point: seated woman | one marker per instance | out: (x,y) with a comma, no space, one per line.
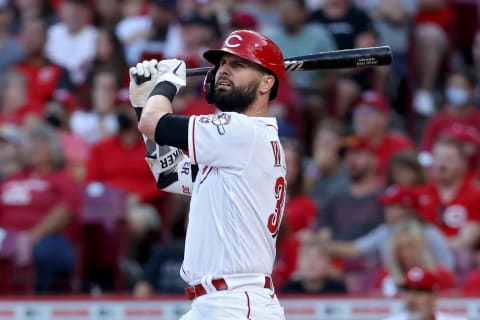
(409,249)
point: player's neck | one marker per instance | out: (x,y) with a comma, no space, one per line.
(257,109)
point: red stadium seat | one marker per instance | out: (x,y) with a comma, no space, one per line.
(103,240)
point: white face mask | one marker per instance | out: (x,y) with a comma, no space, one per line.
(457,96)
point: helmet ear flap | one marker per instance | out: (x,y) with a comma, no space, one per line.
(209,85)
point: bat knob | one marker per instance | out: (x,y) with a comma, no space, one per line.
(141,79)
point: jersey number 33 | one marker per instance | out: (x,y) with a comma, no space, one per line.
(275,218)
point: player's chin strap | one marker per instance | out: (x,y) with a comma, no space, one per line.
(171,169)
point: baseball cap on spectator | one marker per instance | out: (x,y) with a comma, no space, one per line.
(373,100)
(462,133)
(398,195)
(243,20)
(418,278)
(10,133)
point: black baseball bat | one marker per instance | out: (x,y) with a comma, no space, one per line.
(336,59)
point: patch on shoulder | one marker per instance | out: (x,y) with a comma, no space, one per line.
(220,120)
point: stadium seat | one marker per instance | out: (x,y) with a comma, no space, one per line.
(103,240)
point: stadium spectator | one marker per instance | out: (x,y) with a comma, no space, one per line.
(314,266)
(299,213)
(14,107)
(450,199)
(164,38)
(143,226)
(10,50)
(45,80)
(419,293)
(351,27)
(392,20)
(109,55)
(399,204)
(75,149)
(354,212)
(326,174)
(198,34)
(41,203)
(405,169)
(265,12)
(132,30)
(27,10)
(71,42)
(160,274)
(459,111)
(371,122)
(124,152)
(296,37)
(107,13)
(431,44)
(409,249)
(100,122)
(11,160)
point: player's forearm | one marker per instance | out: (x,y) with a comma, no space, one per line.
(155,108)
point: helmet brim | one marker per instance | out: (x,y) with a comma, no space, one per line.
(213,56)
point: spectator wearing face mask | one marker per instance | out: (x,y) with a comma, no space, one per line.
(459,110)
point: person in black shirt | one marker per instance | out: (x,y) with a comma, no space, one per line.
(313,270)
(351,27)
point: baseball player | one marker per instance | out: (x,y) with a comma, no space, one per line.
(235,173)
(419,292)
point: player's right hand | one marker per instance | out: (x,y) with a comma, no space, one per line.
(143,78)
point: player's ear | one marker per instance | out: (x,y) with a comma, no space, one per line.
(266,83)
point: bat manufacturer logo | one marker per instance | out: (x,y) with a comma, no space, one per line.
(231,43)
(293,65)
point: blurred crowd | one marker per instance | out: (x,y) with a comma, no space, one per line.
(382,163)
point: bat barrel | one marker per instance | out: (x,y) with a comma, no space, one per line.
(338,59)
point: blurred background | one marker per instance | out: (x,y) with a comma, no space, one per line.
(382,163)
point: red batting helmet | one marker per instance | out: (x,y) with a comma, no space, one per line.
(254,47)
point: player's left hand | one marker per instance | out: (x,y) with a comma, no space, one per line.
(143,78)
(173,71)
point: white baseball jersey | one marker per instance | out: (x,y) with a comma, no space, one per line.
(238,195)
(438,316)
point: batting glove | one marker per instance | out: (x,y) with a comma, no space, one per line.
(173,71)
(143,78)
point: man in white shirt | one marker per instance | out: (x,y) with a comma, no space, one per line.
(71,43)
(420,297)
(235,173)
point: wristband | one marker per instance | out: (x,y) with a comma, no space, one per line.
(166,89)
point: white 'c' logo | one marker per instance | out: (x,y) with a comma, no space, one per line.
(228,41)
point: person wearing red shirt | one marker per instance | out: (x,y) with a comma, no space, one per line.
(45,80)
(450,199)
(123,153)
(459,110)
(40,204)
(370,119)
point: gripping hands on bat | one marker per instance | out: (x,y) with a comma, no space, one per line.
(162,160)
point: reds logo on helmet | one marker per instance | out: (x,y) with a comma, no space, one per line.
(251,46)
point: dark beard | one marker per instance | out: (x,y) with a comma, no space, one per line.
(237,100)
